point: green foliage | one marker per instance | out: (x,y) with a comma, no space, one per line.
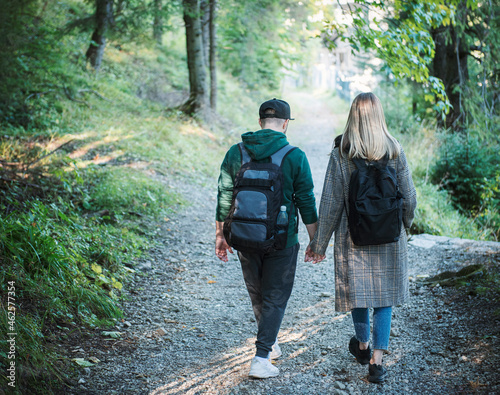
(257,39)
(479,89)
(400,35)
(470,171)
(33,75)
(436,215)
(66,269)
(125,191)
(467,168)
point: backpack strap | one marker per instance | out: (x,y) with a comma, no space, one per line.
(360,163)
(278,156)
(245,157)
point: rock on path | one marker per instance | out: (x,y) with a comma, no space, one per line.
(189,326)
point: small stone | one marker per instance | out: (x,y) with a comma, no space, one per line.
(160,331)
(81,381)
(326,294)
(463,358)
(394,332)
(339,385)
(127,324)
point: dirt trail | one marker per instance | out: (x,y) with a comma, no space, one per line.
(189,327)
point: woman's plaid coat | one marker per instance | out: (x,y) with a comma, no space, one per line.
(365,276)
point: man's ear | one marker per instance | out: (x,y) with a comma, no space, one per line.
(260,123)
(285,124)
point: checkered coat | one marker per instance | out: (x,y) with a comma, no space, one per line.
(365,276)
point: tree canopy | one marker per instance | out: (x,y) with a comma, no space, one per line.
(434,43)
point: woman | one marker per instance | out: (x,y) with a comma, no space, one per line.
(372,276)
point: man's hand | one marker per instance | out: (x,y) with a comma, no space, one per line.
(221,248)
(312,256)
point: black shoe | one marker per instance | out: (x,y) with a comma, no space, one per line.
(377,373)
(362,356)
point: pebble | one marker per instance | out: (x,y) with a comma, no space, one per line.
(339,385)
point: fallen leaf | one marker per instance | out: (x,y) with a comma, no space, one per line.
(114,335)
(94,360)
(82,362)
(212,281)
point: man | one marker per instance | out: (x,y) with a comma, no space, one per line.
(269,276)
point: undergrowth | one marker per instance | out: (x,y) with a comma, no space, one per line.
(83,189)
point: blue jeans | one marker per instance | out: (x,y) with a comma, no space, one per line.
(381,326)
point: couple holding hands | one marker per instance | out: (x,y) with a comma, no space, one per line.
(367,276)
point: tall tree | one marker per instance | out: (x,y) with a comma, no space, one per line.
(197,103)
(103,18)
(157,21)
(419,40)
(450,66)
(205,28)
(212,55)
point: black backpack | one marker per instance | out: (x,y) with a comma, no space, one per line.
(375,203)
(257,197)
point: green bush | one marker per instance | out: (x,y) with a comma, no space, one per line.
(468,169)
(436,215)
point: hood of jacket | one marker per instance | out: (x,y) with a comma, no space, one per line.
(263,143)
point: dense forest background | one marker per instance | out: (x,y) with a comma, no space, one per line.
(99,97)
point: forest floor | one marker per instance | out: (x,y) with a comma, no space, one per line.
(189,327)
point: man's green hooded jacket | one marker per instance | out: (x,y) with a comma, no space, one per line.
(297,179)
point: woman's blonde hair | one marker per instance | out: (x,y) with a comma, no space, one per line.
(365,135)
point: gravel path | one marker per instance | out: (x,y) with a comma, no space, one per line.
(189,326)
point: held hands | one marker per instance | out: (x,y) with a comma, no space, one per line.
(221,248)
(312,256)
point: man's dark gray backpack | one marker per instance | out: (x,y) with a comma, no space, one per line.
(251,225)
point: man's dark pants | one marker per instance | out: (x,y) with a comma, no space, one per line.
(269,280)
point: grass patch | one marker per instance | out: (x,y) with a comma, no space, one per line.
(128,191)
(67,271)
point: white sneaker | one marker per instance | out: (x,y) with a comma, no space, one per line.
(276,351)
(262,368)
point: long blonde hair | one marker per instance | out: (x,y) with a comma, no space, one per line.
(365,135)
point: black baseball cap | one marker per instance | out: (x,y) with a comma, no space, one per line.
(281,108)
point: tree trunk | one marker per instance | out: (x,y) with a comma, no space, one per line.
(103,17)
(213,64)
(205,28)
(158,21)
(198,98)
(450,65)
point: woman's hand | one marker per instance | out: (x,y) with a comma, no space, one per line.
(312,256)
